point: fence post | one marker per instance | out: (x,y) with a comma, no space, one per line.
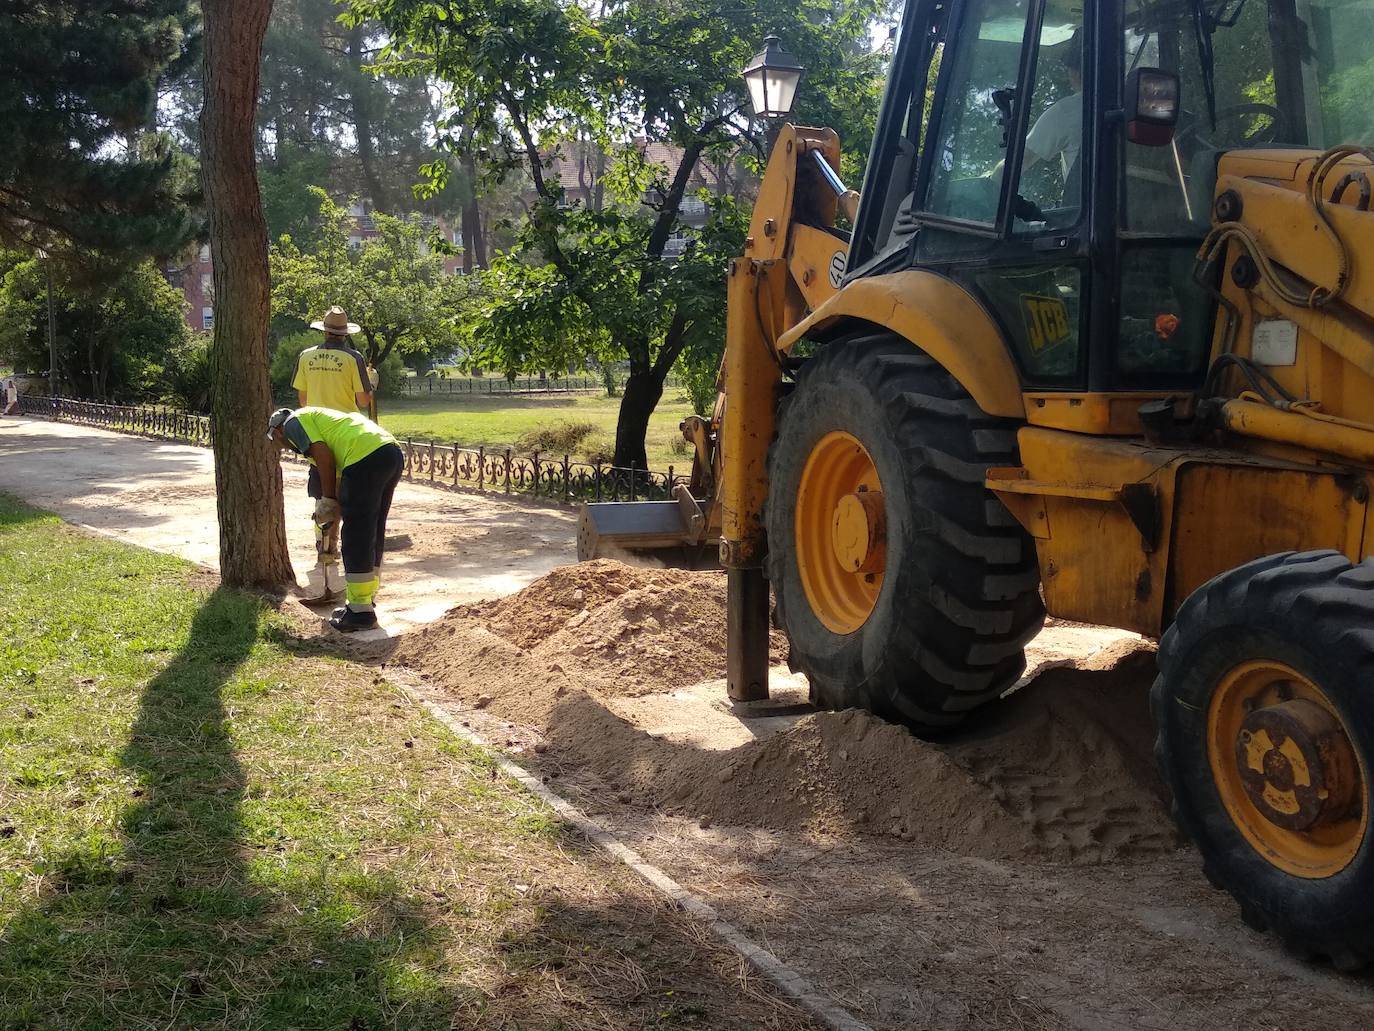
(481,468)
(600,481)
(507,470)
(632,479)
(567,479)
(669,483)
(535,485)
(431,461)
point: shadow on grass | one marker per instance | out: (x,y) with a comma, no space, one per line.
(206,914)
(14,512)
(174,928)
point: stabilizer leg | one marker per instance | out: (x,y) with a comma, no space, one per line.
(746,631)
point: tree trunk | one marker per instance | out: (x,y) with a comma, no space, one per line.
(474,240)
(372,349)
(360,98)
(638,400)
(248,482)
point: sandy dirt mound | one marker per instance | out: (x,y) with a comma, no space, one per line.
(552,601)
(1070,757)
(623,629)
(1058,770)
(837,771)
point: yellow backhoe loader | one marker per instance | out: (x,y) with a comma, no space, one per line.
(1100,342)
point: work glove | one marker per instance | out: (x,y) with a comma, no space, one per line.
(326,511)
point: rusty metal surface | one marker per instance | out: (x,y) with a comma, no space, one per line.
(1297,764)
(746,631)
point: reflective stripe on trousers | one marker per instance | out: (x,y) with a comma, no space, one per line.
(360,590)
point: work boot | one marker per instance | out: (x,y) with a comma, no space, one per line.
(351,622)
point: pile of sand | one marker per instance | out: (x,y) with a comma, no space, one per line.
(1071,758)
(624,630)
(555,599)
(1061,769)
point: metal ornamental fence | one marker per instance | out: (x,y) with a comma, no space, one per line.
(492,470)
(145,420)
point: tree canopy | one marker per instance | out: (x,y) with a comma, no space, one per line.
(392,284)
(116,339)
(523,76)
(80,168)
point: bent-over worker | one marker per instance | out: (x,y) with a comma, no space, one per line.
(359,465)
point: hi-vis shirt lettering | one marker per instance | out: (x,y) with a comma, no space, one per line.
(331,377)
(325,361)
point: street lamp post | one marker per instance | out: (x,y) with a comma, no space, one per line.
(52,327)
(772,78)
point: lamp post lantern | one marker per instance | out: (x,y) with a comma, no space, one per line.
(772,78)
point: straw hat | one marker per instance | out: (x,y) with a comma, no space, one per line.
(336,321)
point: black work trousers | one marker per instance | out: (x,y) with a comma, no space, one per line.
(365,492)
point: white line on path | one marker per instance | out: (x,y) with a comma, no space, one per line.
(788,981)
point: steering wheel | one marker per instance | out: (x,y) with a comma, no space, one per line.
(1265,134)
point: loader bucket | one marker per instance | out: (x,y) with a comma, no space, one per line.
(670,533)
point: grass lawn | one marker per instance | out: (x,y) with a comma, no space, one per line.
(207,822)
(500,421)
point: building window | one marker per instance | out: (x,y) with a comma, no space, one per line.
(205,254)
(207,284)
(676,245)
(207,317)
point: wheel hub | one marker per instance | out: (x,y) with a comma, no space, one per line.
(1296,764)
(1285,768)
(859,535)
(841,532)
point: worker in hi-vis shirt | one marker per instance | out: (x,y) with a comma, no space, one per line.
(332,375)
(360,464)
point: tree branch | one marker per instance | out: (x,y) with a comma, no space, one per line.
(674,340)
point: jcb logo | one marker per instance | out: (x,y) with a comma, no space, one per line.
(1047,321)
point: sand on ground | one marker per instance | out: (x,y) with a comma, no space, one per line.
(1022,872)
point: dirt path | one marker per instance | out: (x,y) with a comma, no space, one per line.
(1023,873)
(443,547)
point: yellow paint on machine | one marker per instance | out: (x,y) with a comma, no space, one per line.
(940,318)
(1126,530)
(752,377)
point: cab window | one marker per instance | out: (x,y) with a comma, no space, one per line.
(979,98)
(1050,186)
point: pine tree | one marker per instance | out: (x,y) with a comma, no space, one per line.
(252,534)
(81,168)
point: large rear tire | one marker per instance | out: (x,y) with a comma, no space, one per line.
(1265,735)
(904,586)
